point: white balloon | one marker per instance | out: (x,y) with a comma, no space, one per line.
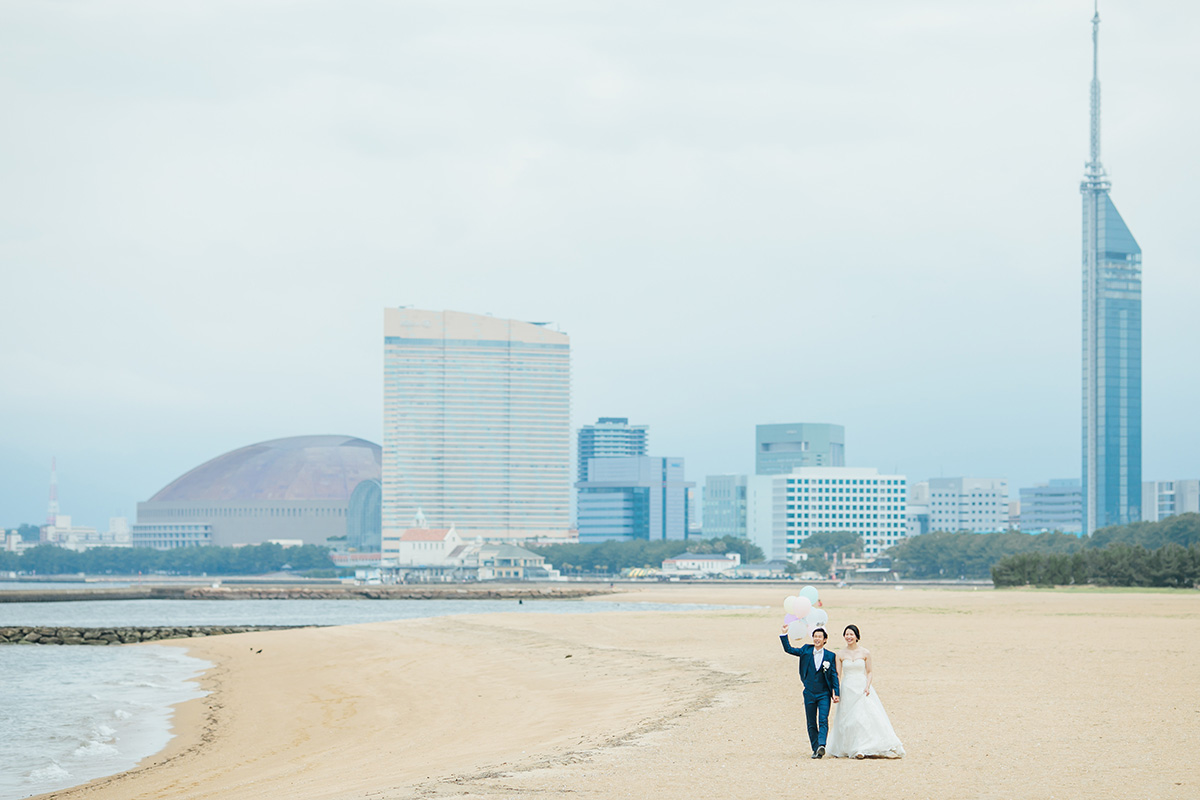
(789,605)
(816,617)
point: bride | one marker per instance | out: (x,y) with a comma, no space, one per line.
(861,728)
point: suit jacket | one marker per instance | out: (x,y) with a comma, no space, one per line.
(817,682)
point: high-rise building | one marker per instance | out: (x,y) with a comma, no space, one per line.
(784,510)
(1112,343)
(610,437)
(1053,506)
(725,506)
(979,505)
(1162,499)
(778,449)
(634,497)
(476,425)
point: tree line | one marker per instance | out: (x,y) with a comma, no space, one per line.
(609,558)
(1138,554)
(1171,565)
(48,559)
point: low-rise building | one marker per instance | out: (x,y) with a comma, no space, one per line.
(979,505)
(1053,506)
(702,564)
(1162,499)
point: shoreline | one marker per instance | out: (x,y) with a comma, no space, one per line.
(993,694)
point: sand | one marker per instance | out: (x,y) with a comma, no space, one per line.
(1013,694)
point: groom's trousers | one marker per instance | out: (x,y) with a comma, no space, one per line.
(817,711)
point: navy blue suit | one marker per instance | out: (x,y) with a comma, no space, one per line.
(820,686)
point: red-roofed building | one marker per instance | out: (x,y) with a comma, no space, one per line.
(423,546)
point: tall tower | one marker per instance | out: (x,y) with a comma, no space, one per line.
(1112,343)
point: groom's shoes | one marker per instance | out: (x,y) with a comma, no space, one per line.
(814,755)
(820,752)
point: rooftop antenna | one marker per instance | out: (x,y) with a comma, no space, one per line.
(52,511)
(1094,168)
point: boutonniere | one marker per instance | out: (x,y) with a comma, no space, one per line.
(824,665)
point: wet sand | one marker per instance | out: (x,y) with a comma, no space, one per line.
(1014,694)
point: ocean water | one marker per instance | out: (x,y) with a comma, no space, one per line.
(162,613)
(71,714)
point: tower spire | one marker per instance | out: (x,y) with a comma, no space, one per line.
(1094,164)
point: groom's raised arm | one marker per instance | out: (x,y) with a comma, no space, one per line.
(787,646)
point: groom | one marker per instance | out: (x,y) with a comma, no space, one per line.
(818,671)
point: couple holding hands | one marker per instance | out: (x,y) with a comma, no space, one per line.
(861,728)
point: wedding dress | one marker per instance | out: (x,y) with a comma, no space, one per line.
(861,727)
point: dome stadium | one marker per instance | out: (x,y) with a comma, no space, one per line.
(297,489)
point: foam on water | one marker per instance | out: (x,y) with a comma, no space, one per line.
(71,714)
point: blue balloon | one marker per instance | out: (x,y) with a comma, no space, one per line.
(811,593)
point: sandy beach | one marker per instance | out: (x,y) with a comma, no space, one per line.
(1016,694)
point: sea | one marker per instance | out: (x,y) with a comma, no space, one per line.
(70,714)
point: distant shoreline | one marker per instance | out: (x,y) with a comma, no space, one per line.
(511,591)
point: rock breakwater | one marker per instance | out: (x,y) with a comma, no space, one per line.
(40,634)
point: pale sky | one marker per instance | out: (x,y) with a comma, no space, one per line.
(862,212)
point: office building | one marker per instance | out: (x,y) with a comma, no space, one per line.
(635,497)
(916,509)
(784,510)
(1162,499)
(778,449)
(725,506)
(1112,344)
(295,488)
(979,505)
(476,426)
(1053,506)
(610,437)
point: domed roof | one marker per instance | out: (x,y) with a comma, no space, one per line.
(296,468)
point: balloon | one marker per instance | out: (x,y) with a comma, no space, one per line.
(811,593)
(789,604)
(816,618)
(801,607)
(790,618)
(798,629)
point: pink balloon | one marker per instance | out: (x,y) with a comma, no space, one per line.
(801,607)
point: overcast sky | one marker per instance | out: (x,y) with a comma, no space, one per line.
(861,212)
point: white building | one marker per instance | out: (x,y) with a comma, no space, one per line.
(979,505)
(82,537)
(699,564)
(1162,499)
(784,510)
(422,547)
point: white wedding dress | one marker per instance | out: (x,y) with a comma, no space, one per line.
(861,726)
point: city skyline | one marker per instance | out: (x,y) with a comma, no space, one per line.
(857,214)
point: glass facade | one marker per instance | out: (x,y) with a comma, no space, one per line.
(778,449)
(476,424)
(1112,345)
(635,497)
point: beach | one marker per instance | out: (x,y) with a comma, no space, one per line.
(995,694)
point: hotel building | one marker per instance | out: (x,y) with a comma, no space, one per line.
(476,428)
